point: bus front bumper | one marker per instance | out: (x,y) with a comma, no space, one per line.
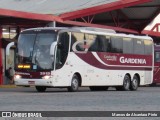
(33,82)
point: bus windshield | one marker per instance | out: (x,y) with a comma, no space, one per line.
(34,49)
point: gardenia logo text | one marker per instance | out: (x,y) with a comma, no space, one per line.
(132,60)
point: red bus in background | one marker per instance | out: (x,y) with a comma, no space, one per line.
(156,77)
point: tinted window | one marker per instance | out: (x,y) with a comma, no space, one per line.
(91,42)
(148,47)
(77,37)
(99,43)
(127,45)
(101,40)
(138,46)
(116,44)
(108,44)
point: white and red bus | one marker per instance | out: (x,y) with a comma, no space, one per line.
(156,78)
(74,57)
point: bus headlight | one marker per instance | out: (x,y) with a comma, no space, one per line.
(17,76)
(46,77)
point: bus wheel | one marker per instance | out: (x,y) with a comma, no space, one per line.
(134,83)
(126,83)
(98,88)
(41,88)
(74,84)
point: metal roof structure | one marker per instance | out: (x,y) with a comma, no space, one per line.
(51,7)
(121,15)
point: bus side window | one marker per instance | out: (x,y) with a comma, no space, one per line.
(138,46)
(102,43)
(127,46)
(94,43)
(148,47)
(108,44)
(75,36)
(99,43)
(91,42)
(116,44)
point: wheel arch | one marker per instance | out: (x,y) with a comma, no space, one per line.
(128,75)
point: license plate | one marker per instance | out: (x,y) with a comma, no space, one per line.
(31,82)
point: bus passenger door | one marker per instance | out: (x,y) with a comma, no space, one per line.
(156,78)
(62,70)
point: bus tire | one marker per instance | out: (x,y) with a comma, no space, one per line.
(134,83)
(98,88)
(126,84)
(74,84)
(41,88)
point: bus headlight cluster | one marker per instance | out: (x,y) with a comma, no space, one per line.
(17,76)
(46,77)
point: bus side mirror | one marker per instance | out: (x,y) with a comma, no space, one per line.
(8,48)
(52,48)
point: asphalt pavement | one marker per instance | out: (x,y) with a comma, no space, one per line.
(55,99)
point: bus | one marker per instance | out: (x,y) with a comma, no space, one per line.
(156,78)
(82,56)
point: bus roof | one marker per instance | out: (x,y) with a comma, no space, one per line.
(90,30)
